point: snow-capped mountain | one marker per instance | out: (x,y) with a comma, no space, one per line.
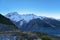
(20,19)
(35,23)
(14,16)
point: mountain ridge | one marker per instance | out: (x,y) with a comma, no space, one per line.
(26,17)
(35,23)
(6,23)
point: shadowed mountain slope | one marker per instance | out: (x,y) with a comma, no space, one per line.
(6,24)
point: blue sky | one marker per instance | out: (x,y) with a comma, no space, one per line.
(49,8)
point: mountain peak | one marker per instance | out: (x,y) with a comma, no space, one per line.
(14,16)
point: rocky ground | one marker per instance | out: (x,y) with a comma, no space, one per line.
(26,35)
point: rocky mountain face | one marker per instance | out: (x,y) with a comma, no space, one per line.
(39,25)
(35,23)
(21,19)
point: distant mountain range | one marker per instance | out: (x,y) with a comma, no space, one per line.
(35,23)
